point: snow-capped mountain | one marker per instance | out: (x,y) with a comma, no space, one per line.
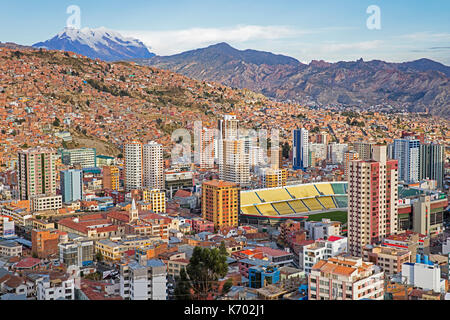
(99,43)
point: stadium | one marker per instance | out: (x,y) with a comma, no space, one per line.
(297,202)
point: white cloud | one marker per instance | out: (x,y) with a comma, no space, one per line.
(426,36)
(176,41)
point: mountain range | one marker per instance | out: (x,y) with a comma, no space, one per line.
(414,86)
(99,43)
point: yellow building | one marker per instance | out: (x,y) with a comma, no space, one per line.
(274,178)
(220,203)
(111,178)
(157,198)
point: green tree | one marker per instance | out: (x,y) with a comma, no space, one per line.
(56,122)
(227,286)
(182,288)
(223,249)
(203,272)
(286,150)
(99,256)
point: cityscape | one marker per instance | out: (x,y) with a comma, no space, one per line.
(207,176)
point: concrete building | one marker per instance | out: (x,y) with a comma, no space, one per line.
(133,166)
(56,289)
(372,193)
(321,229)
(10,249)
(71,185)
(46,202)
(156,198)
(45,242)
(321,250)
(229,127)
(300,149)
(262,276)
(345,278)
(389,259)
(7,229)
(84,157)
(77,253)
(406,151)
(111,178)
(37,173)
(349,156)
(273,178)
(143,281)
(234,162)
(411,241)
(424,275)
(432,160)
(363,149)
(319,149)
(220,203)
(335,152)
(204,147)
(177,180)
(153,166)
(428,216)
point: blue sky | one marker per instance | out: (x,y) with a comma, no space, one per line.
(331,30)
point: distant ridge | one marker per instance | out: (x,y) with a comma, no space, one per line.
(414,86)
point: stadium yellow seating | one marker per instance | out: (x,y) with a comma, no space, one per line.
(327,202)
(250,210)
(298,206)
(313,204)
(274,195)
(283,208)
(325,188)
(249,197)
(303,191)
(267,210)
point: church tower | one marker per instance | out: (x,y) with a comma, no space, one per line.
(134,213)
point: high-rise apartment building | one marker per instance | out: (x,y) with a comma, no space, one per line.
(220,203)
(204,147)
(335,152)
(349,156)
(301,149)
(133,166)
(153,166)
(364,149)
(234,165)
(372,200)
(37,173)
(229,127)
(431,166)
(406,151)
(71,185)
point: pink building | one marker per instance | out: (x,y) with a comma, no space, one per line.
(201,225)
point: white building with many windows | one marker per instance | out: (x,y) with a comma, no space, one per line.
(321,250)
(146,280)
(345,278)
(56,289)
